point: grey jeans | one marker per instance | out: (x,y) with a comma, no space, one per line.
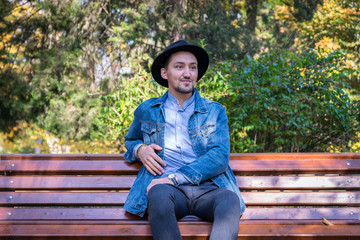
(167,203)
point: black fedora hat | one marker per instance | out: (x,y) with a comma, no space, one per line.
(181,45)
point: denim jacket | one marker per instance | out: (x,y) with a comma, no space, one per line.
(209,133)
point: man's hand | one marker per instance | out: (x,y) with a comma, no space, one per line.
(151,160)
(158,181)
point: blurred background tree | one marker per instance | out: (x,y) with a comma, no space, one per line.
(76,70)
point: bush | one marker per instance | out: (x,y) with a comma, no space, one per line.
(282,102)
(118,111)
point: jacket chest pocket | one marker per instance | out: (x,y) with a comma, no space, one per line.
(207,129)
(202,135)
(150,133)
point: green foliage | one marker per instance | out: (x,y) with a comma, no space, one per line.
(282,102)
(52,54)
(78,69)
(74,117)
(303,10)
(13,100)
(117,114)
(335,26)
(29,138)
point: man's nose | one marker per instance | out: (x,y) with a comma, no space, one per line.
(187,72)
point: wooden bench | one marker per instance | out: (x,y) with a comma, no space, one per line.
(288,196)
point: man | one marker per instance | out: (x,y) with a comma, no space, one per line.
(183,143)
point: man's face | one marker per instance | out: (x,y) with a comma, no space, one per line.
(181,73)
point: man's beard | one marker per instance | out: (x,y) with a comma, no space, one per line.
(185,89)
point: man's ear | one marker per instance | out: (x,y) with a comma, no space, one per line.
(163,73)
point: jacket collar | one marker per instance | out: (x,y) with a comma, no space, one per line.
(199,102)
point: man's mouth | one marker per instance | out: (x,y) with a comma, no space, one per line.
(186,80)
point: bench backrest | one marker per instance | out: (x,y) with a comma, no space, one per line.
(308,186)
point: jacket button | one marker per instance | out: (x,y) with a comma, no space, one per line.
(159,129)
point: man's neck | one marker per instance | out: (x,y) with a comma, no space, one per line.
(182,97)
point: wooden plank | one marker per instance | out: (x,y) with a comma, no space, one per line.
(125,182)
(310,213)
(122,167)
(62,198)
(192,219)
(293,156)
(118,198)
(22,157)
(321,166)
(52,167)
(67,182)
(189,237)
(233,156)
(298,182)
(102,214)
(186,228)
(301,198)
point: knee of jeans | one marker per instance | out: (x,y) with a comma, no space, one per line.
(160,193)
(159,199)
(229,202)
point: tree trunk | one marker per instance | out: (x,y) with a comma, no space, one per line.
(251,13)
(176,7)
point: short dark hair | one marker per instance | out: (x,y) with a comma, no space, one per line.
(166,62)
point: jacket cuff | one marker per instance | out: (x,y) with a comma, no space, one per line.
(130,155)
(135,150)
(191,175)
(182,180)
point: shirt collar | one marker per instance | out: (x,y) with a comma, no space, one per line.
(173,100)
(199,101)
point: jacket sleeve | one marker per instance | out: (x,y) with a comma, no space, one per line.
(134,137)
(215,159)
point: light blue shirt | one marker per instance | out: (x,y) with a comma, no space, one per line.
(178,148)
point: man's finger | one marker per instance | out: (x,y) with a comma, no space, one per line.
(159,160)
(153,165)
(155,147)
(157,167)
(150,168)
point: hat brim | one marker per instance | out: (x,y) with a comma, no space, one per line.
(159,62)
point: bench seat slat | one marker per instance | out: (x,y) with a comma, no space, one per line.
(125,182)
(298,166)
(233,156)
(51,167)
(63,198)
(294,156)
(67,182)
(23,157)
(118,198)
(191,219)
(298,182)
(304,198)
(121,166)
(252,213)
(195,230)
